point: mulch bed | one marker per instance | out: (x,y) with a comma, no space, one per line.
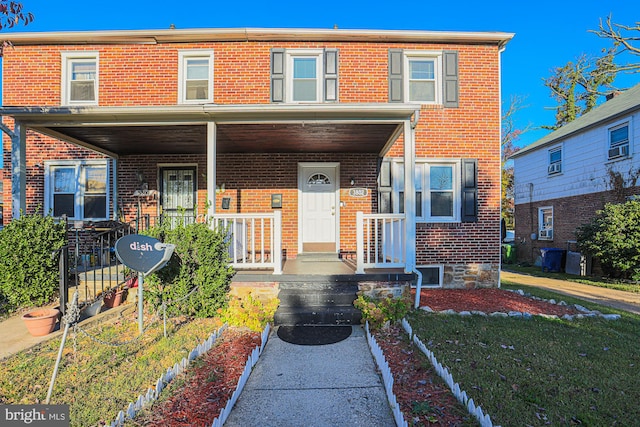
(488,300)
(208,385)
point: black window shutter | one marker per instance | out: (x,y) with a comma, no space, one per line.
(331,75)
(450,84)
(395,75)
(469,190)
(277,74)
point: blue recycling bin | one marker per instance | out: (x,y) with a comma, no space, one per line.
(552,259)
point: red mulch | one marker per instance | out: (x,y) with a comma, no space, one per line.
(487,300)
(209,384)
(423,398)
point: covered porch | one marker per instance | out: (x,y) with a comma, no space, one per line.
(332,147)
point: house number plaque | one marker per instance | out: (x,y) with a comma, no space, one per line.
(358,192)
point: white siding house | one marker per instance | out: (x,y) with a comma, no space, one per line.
(562,179)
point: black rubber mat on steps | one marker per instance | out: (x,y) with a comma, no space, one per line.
(313,335)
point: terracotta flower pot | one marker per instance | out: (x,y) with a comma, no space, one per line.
(114,299)
(42,321)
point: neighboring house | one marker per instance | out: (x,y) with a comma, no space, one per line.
(564,178)
(305,140)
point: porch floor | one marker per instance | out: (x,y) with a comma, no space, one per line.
(294,268)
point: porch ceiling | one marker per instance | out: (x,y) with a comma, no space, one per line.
(230,138)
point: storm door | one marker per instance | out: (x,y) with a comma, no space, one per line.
(178,194)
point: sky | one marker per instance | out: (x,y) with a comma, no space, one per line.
(548,33)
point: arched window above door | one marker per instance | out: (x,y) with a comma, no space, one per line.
(318,179)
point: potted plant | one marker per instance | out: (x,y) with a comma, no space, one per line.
(41,321)
(114,297)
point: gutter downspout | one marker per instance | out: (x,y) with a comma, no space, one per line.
(416,305)
(414,123)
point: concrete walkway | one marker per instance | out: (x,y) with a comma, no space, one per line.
(628,301)
(329,385)
(14,336)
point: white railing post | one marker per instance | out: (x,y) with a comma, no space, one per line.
(359,243)
(277,243)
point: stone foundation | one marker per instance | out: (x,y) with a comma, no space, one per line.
(381,290)
(471,276)
(262,291)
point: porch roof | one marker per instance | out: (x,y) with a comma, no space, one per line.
(182,129)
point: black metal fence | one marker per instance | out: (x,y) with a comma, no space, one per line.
(88,263)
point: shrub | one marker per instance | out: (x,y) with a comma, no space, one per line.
(29,272)
(383,311)
(199,264)
(249,312)
(613,236)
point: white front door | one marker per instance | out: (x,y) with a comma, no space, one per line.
(318,210)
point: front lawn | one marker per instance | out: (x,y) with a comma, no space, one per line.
(542,371)
(97,380)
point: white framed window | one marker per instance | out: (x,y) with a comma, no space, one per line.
(79,78)
(77,189)
(555,161)
(304,75)
(545,223)
(437,187)
(195,76)
(423,76)
(432,275)
(618,138)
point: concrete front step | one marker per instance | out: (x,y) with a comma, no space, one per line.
(317,316)
(318,257)
(317,303)
(323,298)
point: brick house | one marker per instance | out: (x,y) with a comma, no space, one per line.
(304,140)
(562,179)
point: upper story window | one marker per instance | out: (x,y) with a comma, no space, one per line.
(545,223)
(425,77)
(79,78)
(304,71)
(423,73)
(304,75)
(555,161)
(195,75)
(619,141)
(77,189)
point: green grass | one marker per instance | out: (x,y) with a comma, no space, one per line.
(592,281)
(96,380)
(540,371)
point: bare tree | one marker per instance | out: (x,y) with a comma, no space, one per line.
(622,40)
(510,135)
(12,14)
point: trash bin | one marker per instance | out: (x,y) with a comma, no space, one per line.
(508,253)
(552,259)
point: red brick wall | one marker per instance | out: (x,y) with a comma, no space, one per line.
(568,214)
(139,75)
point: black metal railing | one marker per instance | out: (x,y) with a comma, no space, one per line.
(88,263)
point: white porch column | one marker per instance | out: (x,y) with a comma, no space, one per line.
(211,169)
(18,170)
(277,242)
(359,242)
(409,196)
